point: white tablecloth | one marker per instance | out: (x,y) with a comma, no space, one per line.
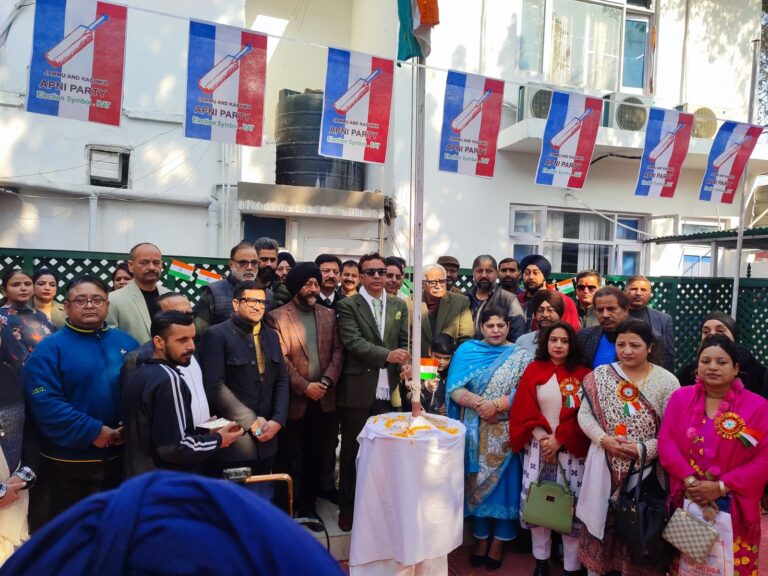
(409,495)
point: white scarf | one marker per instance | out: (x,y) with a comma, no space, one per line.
(592,507)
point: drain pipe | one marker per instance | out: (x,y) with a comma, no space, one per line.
(93,221)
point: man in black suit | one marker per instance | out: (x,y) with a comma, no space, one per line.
(330,269)
(246,381)
(639,292)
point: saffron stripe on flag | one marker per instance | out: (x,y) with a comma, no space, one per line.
(182,270)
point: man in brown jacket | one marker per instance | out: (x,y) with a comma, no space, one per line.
(313,357)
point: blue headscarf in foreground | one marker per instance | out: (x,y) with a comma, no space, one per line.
(172,524)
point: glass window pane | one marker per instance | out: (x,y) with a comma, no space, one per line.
(630,263)
(527,222)
(571,257)
(698,228)
(635,34)
(532,35)
(523,250)
(586,43)
(624,233)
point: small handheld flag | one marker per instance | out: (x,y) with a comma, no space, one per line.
(428,369)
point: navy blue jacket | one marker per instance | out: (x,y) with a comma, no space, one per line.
(72,387)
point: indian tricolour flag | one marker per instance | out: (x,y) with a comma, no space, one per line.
(205,277)
(428,369)
(181,270)
(565,286)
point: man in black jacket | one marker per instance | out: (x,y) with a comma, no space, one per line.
(156,403)
(246,381)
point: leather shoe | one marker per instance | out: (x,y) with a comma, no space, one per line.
(477,560)
(581,572)
(542,568)
(345,521)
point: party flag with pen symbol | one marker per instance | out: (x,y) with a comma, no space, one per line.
(78,58)
(666,145)
(569,140)
(730,152)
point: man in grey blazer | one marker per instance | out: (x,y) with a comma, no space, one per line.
(131,307)
(374,330)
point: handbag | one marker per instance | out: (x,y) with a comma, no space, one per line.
(550,504)
(691,535)
(641,516)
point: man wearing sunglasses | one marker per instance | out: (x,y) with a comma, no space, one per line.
(374,330)
(246,381)
(587,283)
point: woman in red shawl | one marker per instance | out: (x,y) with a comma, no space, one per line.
(543,422)
(714,445)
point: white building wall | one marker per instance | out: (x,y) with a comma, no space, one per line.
(170,176)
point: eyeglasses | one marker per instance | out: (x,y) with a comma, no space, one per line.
(81,301)
(394,276)
(245,263)
(433,283)
(253,302)
(371,272)
(585,287)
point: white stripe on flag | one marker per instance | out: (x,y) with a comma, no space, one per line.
(357,117)
(474,88)
(77,13)
(575,108)
(228,41)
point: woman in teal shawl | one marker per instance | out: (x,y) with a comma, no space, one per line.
(481,383)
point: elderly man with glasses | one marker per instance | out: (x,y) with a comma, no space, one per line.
(215,303)
(246,381)
(72,389)
(443,312)
(587,283)
(374,331)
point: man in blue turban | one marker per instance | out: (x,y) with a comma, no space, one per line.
(169,523)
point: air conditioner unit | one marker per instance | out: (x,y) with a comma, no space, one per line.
(534,102)
(706,119)
(626,111)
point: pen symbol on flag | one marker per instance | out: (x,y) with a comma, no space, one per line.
(223,69)
(469,113)
(664,144)
(74,42)
(355,93)
(731,151)
(569,130)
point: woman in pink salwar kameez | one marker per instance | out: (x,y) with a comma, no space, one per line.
(714,445)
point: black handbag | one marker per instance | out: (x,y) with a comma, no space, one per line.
(641,516)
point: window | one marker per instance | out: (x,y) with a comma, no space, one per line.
(574,240)
(635,45)
(697,266)
(258,226)
(108,166)
(594,44)
(698,228)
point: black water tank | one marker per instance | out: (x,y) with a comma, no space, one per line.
(297,135)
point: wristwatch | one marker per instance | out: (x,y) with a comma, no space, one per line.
(27,474)
(3,489)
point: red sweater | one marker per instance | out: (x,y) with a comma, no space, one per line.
(525,414)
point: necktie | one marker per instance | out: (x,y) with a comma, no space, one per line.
(377,311)
(328,302)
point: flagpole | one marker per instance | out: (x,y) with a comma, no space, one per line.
(417,233)
(744,182)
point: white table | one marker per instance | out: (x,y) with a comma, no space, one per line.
(409,497)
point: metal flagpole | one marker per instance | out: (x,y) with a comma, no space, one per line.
(744,180)
(417,233)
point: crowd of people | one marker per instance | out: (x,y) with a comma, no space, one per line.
(279,362)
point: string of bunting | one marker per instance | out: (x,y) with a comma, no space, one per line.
(78,62)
